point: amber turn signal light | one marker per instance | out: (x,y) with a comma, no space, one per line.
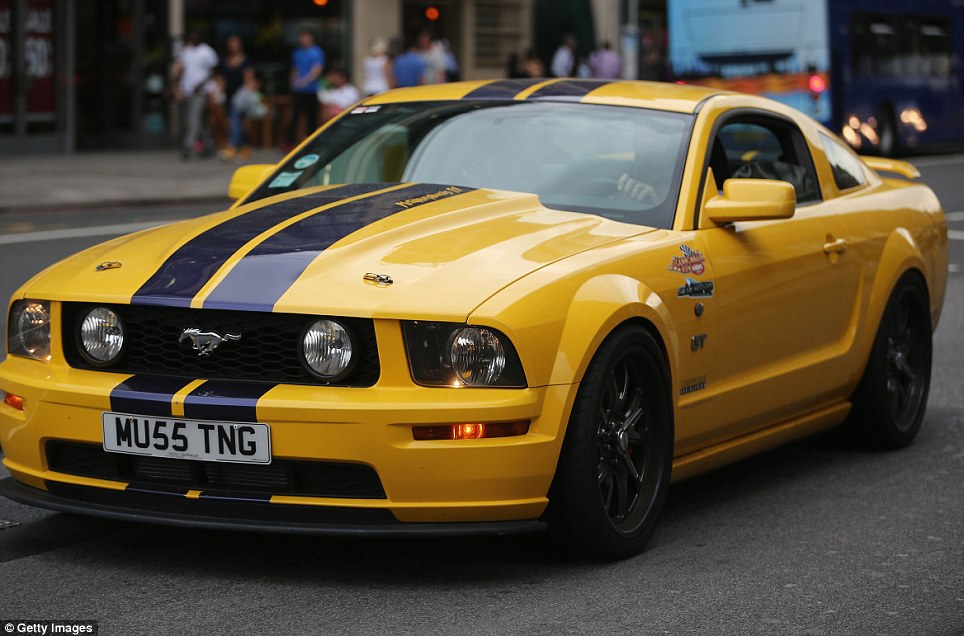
(473,430)
(13,401)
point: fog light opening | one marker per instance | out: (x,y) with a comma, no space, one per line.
(470,430)
(13,401)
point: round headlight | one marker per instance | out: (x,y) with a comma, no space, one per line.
(327,349)
(101,335)
(30,333)
(477,355)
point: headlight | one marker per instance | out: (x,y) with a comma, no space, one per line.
(452,354)
(101,336)
(327,349)
(29,329)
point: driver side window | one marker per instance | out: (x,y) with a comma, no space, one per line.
(760,148)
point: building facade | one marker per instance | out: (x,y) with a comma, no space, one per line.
(94,74)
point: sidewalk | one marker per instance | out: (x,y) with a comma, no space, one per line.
(87,179)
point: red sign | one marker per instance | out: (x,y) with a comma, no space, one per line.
(38,58)
(6,61)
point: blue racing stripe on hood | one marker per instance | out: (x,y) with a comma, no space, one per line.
(193,264)
(259,279)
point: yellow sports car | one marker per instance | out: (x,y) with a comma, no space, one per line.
(483,307)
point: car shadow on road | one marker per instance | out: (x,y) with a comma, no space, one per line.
(692,504)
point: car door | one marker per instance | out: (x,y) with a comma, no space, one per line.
(786,289)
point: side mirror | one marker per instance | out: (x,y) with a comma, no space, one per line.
(246,178)
(752,200)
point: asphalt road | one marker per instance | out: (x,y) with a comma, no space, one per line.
(806,539)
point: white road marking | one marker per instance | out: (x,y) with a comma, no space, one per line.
(78,232)
(954,269)
(955,235)
(953,217)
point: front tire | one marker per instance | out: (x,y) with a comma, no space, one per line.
(889,404)
(616,459)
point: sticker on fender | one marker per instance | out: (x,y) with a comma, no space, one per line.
(177,438)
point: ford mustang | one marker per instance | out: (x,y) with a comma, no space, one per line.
(483,307)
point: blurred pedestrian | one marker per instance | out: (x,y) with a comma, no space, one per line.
(433,56)
(564,59)
(339,95)
(235,66)
(604,62)
(377,67)
(247,107)
(192,69)
(532,65)
(453,73)
(236,69)
(307,65)
(408,69)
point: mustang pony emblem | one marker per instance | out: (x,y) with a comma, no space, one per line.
(204,342)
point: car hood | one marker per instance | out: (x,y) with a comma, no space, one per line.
(376,250)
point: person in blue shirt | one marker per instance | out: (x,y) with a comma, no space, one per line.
(307,65)
(408,69)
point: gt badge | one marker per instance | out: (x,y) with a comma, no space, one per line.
(204,342)
(697,342)
(109,265)
(691,262)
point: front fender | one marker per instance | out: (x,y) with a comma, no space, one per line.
(558,324)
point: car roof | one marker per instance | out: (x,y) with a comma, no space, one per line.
(681,98)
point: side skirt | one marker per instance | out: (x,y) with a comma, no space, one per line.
(707,459)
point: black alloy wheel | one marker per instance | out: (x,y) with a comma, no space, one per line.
(615,464)
(890,401)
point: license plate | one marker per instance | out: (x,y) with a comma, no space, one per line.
(187,439)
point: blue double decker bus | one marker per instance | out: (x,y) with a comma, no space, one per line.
(887,75)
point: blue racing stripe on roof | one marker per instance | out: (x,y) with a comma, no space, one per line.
(503,89)
(570,89)
(146,395)
(193,264)
(259,279)
(225,400)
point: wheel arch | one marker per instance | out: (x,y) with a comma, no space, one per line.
(901,256)
(602,306)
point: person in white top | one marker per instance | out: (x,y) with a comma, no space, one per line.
(193,67)
(377,67)
(339,95)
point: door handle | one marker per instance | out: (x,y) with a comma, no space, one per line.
(838,246)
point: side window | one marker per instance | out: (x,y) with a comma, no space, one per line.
(761,148)
(847,170)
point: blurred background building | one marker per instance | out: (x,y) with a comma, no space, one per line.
(94,74)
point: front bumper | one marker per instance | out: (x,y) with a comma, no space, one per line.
(440,483)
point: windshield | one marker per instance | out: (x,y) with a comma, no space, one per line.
(619,162)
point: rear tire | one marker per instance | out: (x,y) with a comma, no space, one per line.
(616,459)
(889,403)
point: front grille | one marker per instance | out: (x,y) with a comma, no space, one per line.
(269,348)
(281,477)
